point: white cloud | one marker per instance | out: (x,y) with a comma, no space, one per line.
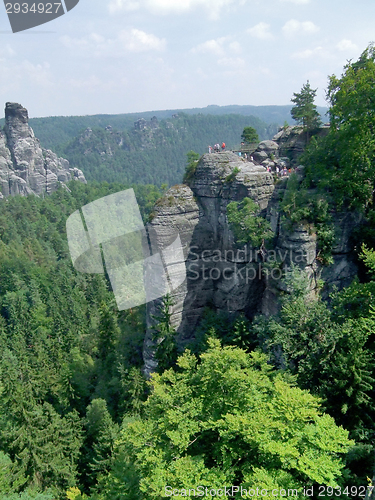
(14,75)
(7,51)
(127,5)
(306,54)
(261,31)
(172,6)
(138,41)
(211,46)
(92,83)
(293,27)
(231,62)
(346,46)
(38,74)
(235,47)
(297,2)
(131,40)
(219,47)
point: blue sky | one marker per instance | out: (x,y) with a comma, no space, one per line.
(119,56)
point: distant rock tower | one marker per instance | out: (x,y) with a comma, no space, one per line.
(25,167)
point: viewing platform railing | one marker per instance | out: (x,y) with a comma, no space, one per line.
(245,148)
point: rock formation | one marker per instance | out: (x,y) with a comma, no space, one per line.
(25,167)
(292,141)
(221,275)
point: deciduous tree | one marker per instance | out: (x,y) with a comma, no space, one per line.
(229,419)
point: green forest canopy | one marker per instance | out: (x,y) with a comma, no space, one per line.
(292,408)
(154,153)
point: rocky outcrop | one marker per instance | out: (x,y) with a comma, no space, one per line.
(269,155)
(25,167)
(292,141)
(143,124)
(218,273)
(221,275)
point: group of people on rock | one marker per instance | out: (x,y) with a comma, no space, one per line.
(245,156)
(280,172)
(216,148)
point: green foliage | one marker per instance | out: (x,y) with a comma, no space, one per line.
(301,206)
(10,480)
(153,154)
(100,435)
(304,110)
(246,224)
(250,135)
(55,132)
(232,175)
(368,257)
(228,419)
(134,386)
(230,329)
(343,162)
(329,353)
(62,345)
(165,335)
(75,493)
(28,495)
(191,165)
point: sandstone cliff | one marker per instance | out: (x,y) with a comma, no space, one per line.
(221,275)
(25,167)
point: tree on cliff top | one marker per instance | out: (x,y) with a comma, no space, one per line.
(250,135)
(344,162)
(304,111)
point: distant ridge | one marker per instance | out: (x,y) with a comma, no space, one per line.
(54,131)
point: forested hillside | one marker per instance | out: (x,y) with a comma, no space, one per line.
(282,403)
(154,152)
(72,411)
(57,130)
(63,345)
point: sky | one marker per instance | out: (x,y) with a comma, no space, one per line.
(125,56)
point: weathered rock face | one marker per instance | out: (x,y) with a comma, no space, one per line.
(25,167)
(292,141)
(218,273)
(221,275)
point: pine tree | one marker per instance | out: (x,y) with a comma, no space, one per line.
(165,335)
(100,435)
(250,135)
(304,111)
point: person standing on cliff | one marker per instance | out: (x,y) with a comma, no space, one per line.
(223,146)
(210,149)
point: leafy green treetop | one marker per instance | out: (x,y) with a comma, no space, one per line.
(304,111)
(343,163)
(246,223)
(228,419)
(250,135)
